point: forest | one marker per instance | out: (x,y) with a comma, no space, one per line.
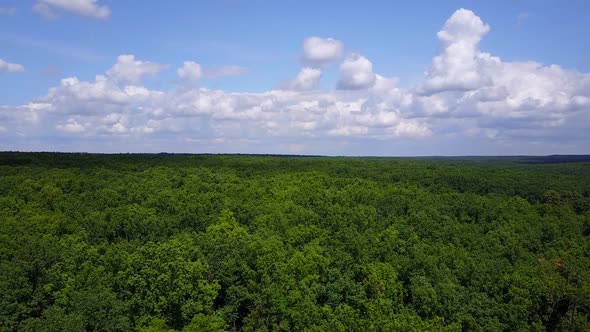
(182,242)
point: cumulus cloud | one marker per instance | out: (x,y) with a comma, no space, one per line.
(460,64)
(105,94)
(411,129)
(190,72)
(106,107)
(18,120)
(88,8)
(307,79)
(7,67)
(467,95)
(356,72)
(318,52)
(129,70)
(467,85)
(72,127)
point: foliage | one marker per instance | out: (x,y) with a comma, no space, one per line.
(277,243)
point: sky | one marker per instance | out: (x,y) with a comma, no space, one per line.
(379,78)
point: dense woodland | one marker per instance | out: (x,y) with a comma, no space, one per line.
(284,243)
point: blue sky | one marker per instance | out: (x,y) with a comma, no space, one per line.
(378,79)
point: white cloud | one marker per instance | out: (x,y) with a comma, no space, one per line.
(20,119)
(104,107)
(118,128)
(348,131)
(7,67)
(467,97)
(463,27)
(190,72)
(459,64)
(89,8)
(466,85)
(104,95)
(307,79)
(73,91)
(356,72)
(319,52)
(411,129)
(71,127)
(129,70)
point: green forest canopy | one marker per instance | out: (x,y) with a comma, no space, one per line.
(285,243)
